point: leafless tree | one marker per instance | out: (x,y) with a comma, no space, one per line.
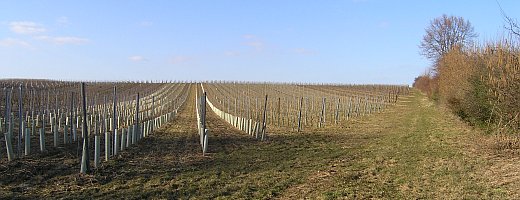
(445,33)
(511,24)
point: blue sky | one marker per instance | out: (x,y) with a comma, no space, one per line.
(351,41)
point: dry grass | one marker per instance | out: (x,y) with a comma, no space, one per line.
(413,150)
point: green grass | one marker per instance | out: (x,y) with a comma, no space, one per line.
(417,154)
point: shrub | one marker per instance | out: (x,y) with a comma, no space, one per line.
(503,79)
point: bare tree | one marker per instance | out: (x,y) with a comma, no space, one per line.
(512,25)
(445,33)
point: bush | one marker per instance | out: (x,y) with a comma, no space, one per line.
(503,67)
(454,70)
(427,84)
(481,85)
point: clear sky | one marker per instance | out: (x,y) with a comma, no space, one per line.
(350,41)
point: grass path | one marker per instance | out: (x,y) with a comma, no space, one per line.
(414,150)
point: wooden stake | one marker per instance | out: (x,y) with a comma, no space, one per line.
(300,115)
(85,160)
